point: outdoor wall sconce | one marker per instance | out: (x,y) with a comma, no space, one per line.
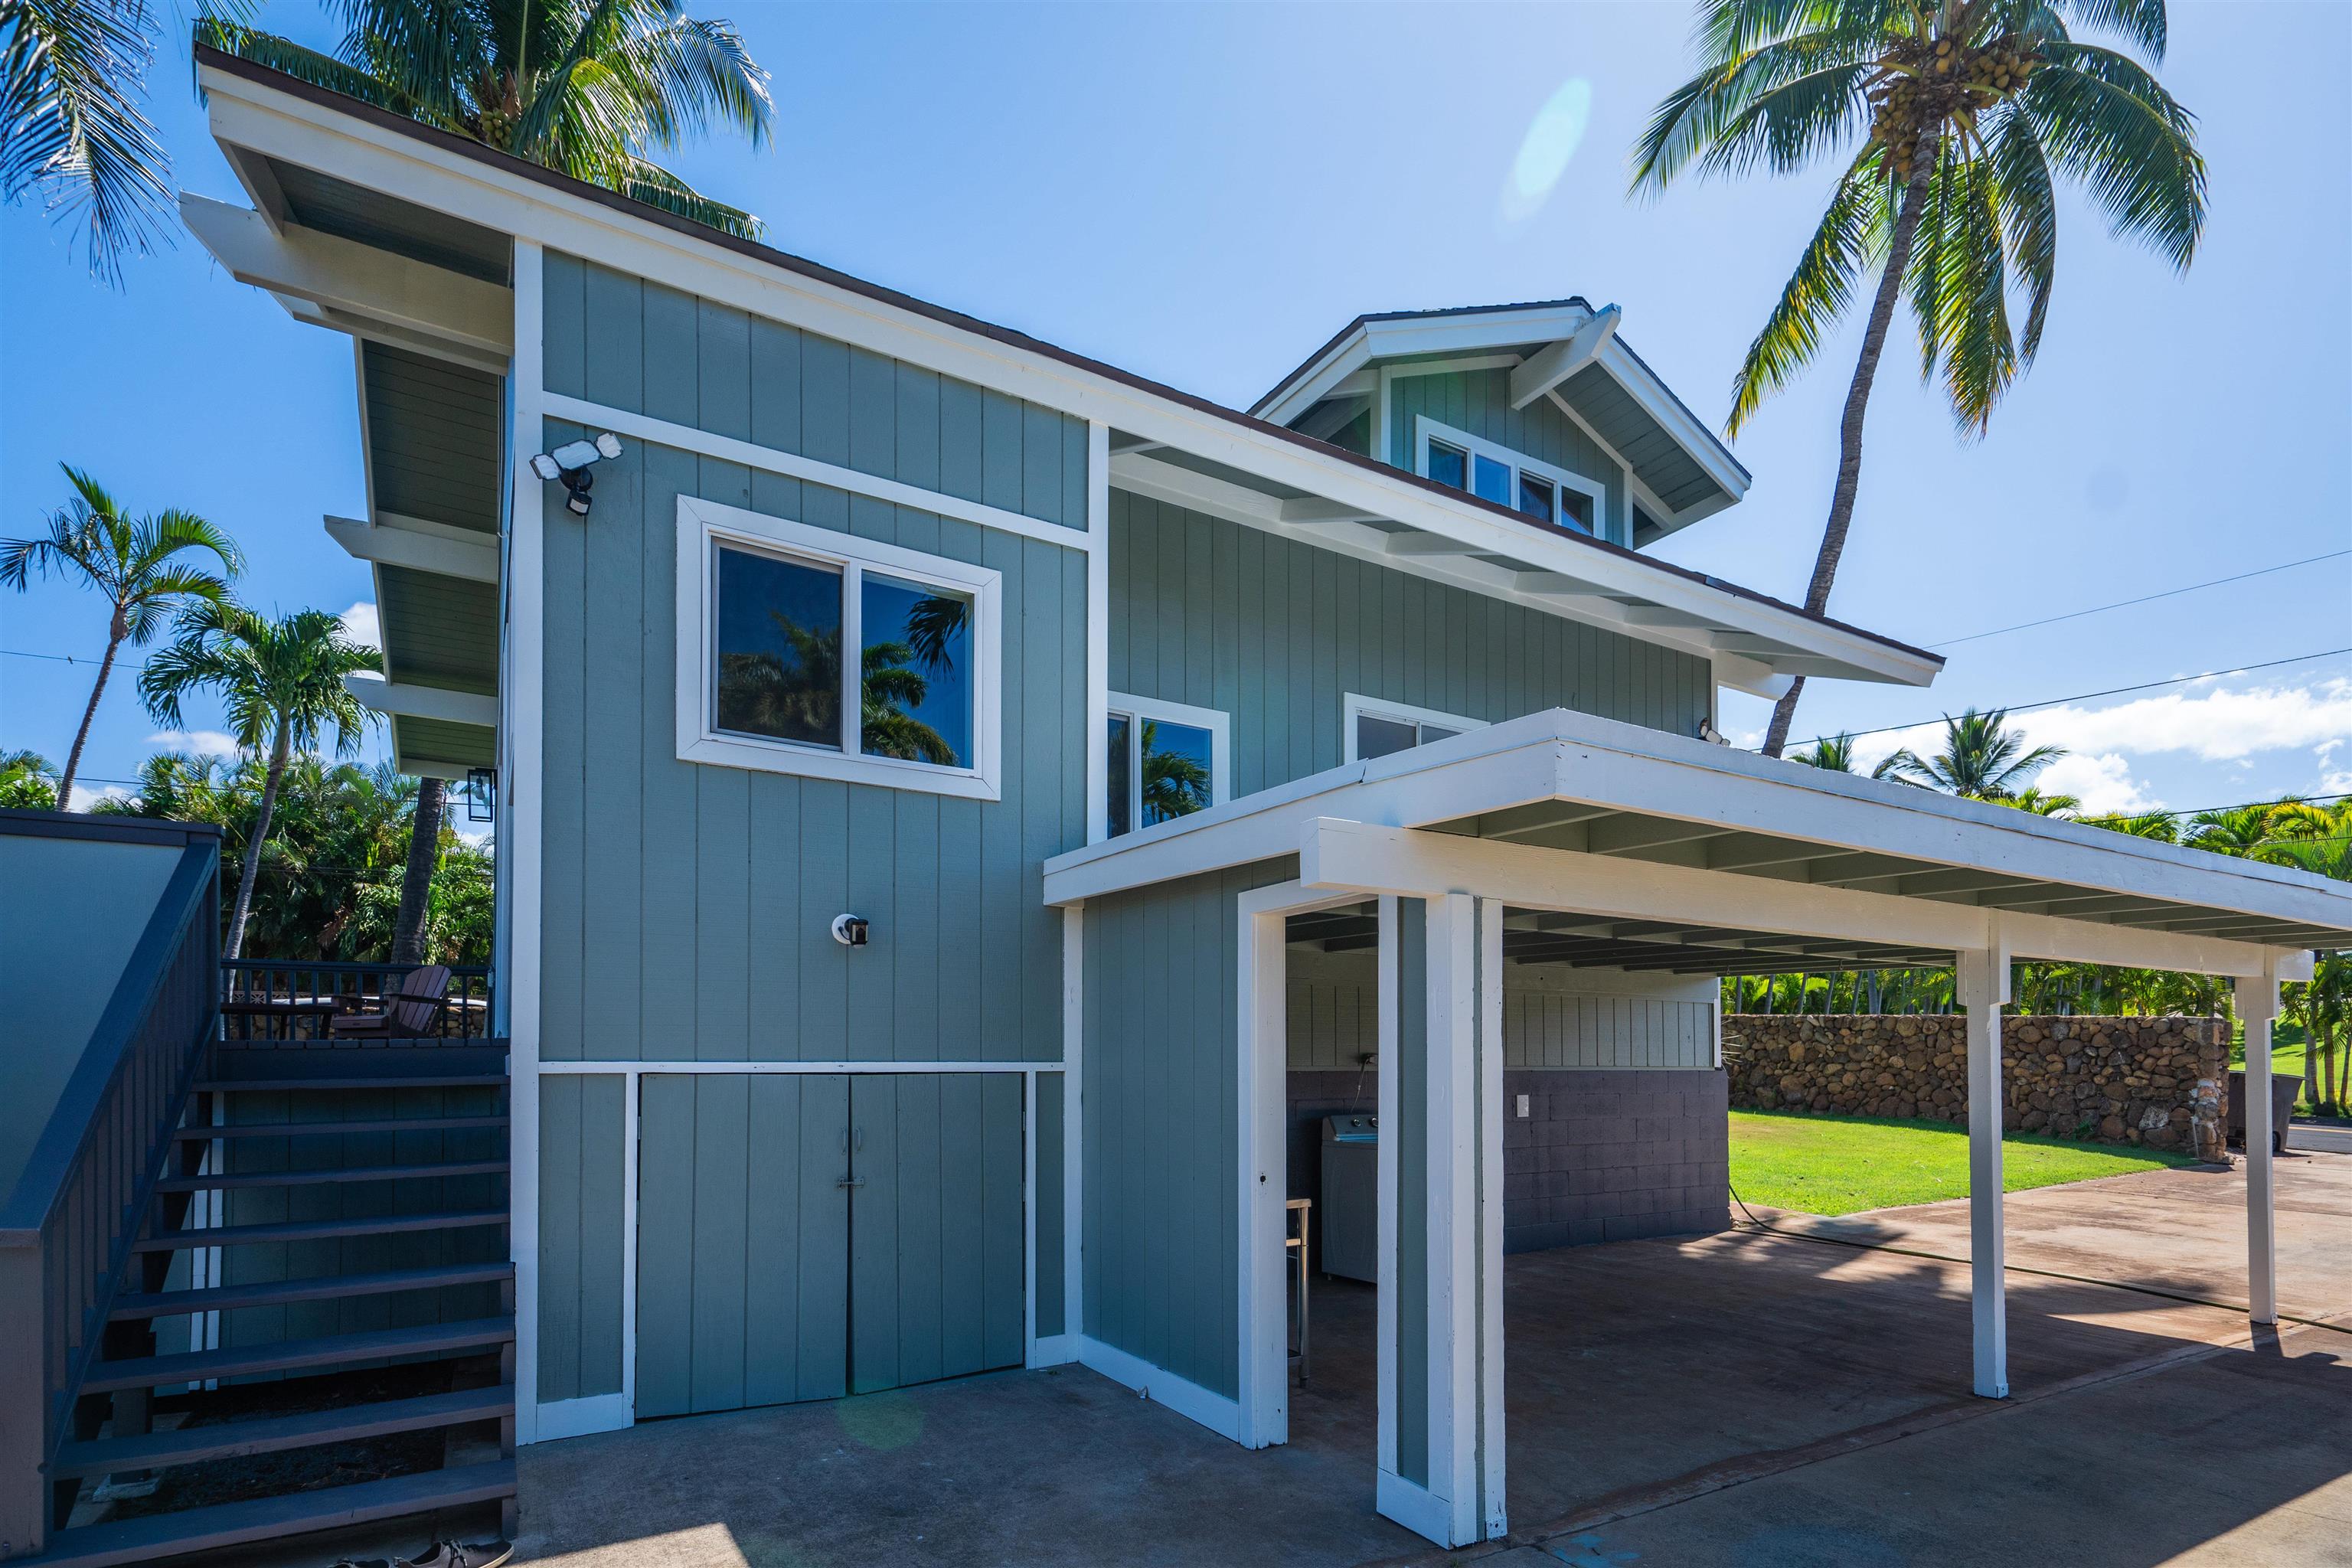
(482,794)
(570,463)
(849,930)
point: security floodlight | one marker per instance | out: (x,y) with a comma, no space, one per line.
(570,462)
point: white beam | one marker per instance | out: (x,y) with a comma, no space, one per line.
(419,546)
(1557,362)
(347,278)
(2258,1006)
(406,699)
(1312,510)
(1983,984)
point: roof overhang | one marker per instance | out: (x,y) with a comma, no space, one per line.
(1633,848)
(1552,345)
(1351,503)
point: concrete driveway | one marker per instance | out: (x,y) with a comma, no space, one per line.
(1746,1398)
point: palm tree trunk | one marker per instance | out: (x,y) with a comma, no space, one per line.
(82,736)
(416,878)
(1857,405)
(278,756)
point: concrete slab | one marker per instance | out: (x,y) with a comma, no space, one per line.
(1800,1401)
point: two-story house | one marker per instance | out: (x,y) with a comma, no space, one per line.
(967,812)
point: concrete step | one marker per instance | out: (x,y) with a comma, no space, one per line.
(318,1229)
(310,1429)
(295,1355)
(279,1292)
(163,1536)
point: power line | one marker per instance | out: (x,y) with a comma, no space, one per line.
(2089,696)
(2143,599)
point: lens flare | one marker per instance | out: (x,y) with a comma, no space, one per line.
(1551,142)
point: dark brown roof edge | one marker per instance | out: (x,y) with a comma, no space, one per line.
(466,147)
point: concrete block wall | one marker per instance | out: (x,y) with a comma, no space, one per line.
(1611,1154)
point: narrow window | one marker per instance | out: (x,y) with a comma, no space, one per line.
(1576,510)
(1375,728)
(1378,737)
(1449,465)
(915,675)
(779,649)
(1121,775)
(1494,480)
(1177,759)
(1536,498)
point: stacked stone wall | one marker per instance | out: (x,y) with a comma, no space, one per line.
(2162,1082)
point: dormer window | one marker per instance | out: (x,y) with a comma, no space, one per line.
(1544,491)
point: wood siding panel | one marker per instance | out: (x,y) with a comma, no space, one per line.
(1277,639)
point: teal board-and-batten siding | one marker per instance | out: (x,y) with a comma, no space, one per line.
(1276,632)
(1160,1063)
(633,345)
(686,909)
(582,1163)
(1479,403)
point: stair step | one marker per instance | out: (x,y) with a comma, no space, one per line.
(319,1229)
(281,1292)
(163,1535)
(236,1439)
(280,1085)
(321,1177)
(335,1128)
(292,1355)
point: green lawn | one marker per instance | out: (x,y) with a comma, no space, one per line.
(1840,1164)
(2287,1056)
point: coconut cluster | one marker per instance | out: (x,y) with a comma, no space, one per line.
(1926,82)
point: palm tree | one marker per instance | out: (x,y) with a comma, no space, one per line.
(134,563)
(1982,759)
(72,74)
(586,90)
(417,877)
(2250,832)
(1963,109)
(28,782)
(1830,754)
(2030,798)
(282,680)
(2160,825)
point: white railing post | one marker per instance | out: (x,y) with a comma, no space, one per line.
(2258,1007)
(1983,978)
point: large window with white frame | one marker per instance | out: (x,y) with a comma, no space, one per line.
(805,651)
(1545,491)
(1375,728)
(1167,760)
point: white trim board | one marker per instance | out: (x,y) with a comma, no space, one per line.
(704,528)
(1214,1411)
(522,753)
(563,1418)
(579,1068)
(1355,705)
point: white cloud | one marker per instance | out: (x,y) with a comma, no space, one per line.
(85,797)
(200,742)
(2214,725)
(2103,781)
(362,626)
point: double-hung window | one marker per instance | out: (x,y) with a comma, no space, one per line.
(1167,760)
(1543,491)
(805,650)
(1375,728)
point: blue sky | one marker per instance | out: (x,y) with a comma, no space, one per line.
(1204,194)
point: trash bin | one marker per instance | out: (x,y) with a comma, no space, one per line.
(1350,1206)
(2284,1087)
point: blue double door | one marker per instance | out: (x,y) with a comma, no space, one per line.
(807,1236)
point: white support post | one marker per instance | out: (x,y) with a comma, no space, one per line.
(1984,986)
(2258,1006)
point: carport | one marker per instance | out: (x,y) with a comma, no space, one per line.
(1563,838)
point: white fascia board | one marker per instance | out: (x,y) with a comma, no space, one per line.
(280,124)
(417,546)
(407,700)
(1643,387)
(1625,767)
(345,278)
(1551,365)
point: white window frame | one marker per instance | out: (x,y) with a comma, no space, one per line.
(1136,709)
(1355,706)
(1426,431)
(704,526)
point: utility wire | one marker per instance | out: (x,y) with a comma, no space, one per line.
(2089,696)
(2143,599)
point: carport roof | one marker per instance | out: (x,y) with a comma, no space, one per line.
(1794,867)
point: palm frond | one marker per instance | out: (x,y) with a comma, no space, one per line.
(1851,237)
(2029,216)
(657,186)
(2104,121)
(1960,291)
(1799,92)
(2141,21)
(71,72)
(307,65)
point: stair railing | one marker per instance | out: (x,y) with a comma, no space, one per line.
(67,1230)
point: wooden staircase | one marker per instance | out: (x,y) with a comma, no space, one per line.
(321,1212)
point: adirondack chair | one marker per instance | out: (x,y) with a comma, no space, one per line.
(409,1013)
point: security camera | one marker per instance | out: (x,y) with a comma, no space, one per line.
(570,463)
(849,930)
